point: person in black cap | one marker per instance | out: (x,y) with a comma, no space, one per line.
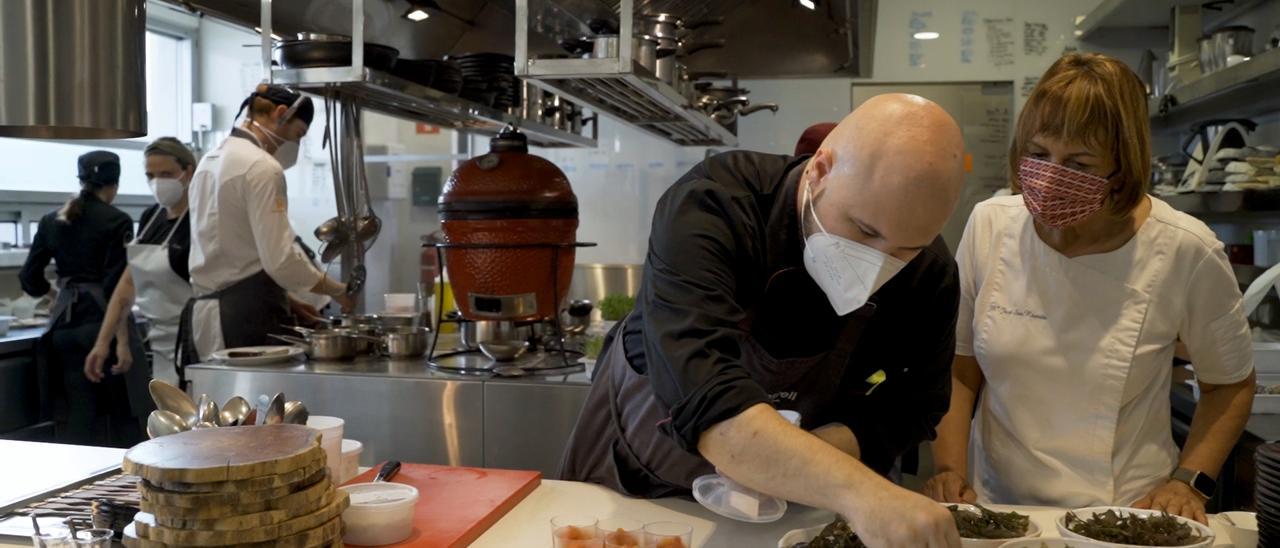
(243,260)
(85,239)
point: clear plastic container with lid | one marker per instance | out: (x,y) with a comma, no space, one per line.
(380,513)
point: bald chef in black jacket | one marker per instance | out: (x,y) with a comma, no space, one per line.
(815,283)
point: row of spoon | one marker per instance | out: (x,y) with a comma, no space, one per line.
(177,412)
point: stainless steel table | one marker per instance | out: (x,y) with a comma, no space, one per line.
(405,410)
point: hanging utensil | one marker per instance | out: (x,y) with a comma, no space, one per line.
(275,409)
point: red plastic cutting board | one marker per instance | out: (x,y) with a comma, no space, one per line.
(457,505)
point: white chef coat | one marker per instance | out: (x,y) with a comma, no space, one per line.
(1076,353)
(240,226)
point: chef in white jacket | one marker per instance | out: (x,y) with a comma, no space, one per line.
(1074,296)
(243,258)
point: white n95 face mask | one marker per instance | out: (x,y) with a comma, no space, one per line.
(847,272)
(168,192)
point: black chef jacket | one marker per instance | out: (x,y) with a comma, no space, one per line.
(718,236)
(179,242)
(89,249)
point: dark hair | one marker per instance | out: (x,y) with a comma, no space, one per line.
(74,207)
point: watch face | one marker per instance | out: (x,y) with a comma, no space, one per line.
(1205,484)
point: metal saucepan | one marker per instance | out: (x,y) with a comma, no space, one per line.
(405,342)
(644,49)
(326,344)
(670,50)
(667,24)
(332,50)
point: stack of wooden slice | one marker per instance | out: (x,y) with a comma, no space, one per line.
(243,486)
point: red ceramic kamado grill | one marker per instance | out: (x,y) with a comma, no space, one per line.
(510,222)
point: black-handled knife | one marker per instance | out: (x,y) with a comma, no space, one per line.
(388,471)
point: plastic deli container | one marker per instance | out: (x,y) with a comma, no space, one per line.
(351,450)
(380,513)
(330,429)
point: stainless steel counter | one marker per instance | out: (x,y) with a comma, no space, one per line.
(19,387)
(404,410)
(19,340)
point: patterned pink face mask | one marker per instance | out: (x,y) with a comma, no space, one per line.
(1059,196)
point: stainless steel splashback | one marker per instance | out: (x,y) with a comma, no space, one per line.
(73,69)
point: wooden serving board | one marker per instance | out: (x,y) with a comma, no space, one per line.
(155,495)
(327,535)
(212,455)
(457,505)
(147,527)
(251,484)
(242,521)
(292,503)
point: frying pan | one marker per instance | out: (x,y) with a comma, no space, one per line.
(332,51)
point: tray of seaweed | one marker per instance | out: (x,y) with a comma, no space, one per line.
(1133,527)
(980,523)
(836,534)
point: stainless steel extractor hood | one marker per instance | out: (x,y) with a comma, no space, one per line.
(73,69)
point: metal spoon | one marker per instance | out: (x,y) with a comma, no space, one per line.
(295,412)
(169,398)
(163,423)
(234,411)
(275,410)
(208,410)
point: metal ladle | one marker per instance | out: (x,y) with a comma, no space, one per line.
(163,423)
(169,398)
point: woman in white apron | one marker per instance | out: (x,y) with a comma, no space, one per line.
(1073,297)
(156,278)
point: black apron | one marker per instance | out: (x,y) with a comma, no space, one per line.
(617,442)
(76,405)
(249,311)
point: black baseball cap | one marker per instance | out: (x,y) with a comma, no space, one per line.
(100,168)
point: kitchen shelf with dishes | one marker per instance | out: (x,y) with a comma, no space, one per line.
(388,94)
(626,72)
(1241,203)
(1248,89)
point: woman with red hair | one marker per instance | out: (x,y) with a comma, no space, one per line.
(1073,297)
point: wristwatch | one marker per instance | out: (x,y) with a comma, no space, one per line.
(1198,480)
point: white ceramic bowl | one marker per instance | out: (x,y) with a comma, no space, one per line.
(796,536)
(1244,534)
(1053,543)
(1033,531)
(1085,513)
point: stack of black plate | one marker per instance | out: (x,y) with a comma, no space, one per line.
(489,79)
(433,73)
(1267,494)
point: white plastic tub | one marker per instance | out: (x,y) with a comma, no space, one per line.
(380,513)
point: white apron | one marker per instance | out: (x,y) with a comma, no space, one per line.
(1056,340)
(161,294)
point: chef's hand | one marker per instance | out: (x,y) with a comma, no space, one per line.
(94,361)
(1176,498)
(124,357)
(347,302)
(304,313)
(897,518)
(950,487)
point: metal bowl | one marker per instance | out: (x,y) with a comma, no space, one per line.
(503,351)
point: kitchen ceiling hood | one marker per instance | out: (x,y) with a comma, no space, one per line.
(73,69)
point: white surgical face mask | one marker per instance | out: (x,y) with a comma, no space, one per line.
(286,151)
(848,272)
(168,192)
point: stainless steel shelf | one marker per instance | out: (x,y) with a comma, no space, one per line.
(1241,205)
(1243,91)
(382,92)
(632,97)
(615,87)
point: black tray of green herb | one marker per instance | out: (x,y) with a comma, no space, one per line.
(1135,527)
(837,534)
(981,523)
